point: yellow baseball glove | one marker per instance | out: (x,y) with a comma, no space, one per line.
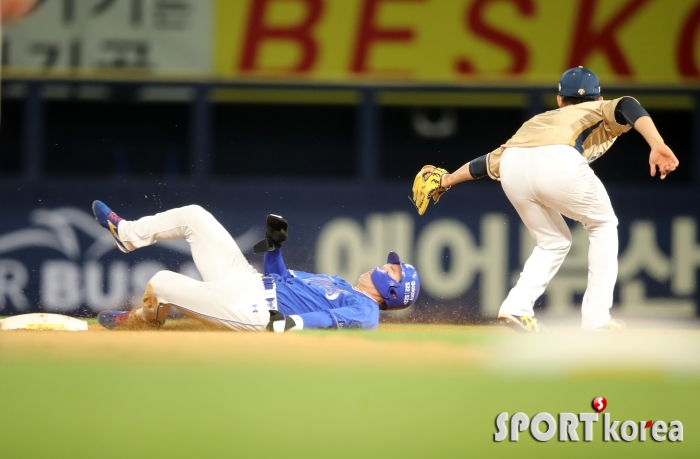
(427,184)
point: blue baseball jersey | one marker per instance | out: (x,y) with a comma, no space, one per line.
(322,301)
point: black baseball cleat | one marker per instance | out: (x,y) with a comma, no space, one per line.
(521,324)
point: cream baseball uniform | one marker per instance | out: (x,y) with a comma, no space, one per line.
(544,170)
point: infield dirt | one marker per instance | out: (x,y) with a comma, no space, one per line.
(190,341)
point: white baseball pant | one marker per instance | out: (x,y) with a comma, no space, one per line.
(544,183)
(231,294)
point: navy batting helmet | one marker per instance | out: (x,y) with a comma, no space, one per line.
(397,294)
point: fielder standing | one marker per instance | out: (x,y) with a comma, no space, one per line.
(234,295)
(544,170)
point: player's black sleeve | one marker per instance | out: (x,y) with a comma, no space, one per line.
(628,111)
(477,167)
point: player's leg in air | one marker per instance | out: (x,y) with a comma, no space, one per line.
(231,291)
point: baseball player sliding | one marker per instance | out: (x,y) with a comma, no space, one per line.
(544,170)
(234,295)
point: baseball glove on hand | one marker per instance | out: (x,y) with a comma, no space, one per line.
(275,234)
(427,184)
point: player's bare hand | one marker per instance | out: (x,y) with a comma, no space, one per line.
(662,157)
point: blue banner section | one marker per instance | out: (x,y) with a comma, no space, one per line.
(469,248)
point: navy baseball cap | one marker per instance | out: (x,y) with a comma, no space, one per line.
(579,82)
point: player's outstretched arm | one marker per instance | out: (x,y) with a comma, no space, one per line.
(629,111)
(460,175)
(274,264)
(473,170)
(363,316)
(661,155)
(463,174)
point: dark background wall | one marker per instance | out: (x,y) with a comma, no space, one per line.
(122,136)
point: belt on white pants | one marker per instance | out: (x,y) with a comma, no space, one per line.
(270,292)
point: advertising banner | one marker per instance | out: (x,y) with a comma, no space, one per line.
(462,41)
(149,38)
(647,42)
(469,248)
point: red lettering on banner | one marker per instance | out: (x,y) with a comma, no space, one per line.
(474,18)
(258,32)
(586,40)
(369,32)
(685,57)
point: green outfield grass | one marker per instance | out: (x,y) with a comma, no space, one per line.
(401,392)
